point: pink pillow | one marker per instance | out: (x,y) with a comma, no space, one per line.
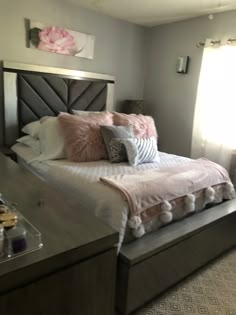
(143,126)
(82,136)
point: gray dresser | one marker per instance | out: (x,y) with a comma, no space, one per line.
(74,272)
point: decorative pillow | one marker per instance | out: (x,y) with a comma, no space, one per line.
(51,140)
(83,112)
(30,142)
(117,151)
(82,135)
(143,126)
(32,129)
(111,132)
(141,150)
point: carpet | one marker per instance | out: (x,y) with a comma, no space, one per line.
(209,291)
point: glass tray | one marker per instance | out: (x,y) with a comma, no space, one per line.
(33,236)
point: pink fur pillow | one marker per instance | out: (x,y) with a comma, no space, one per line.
(82,136)
(143,126)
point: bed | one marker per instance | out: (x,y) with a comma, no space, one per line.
(81,183)
(145,266)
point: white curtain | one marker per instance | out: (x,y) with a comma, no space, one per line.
(214,128)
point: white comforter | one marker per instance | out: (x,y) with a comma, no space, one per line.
(81,183)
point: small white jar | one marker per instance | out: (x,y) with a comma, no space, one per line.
(1,240)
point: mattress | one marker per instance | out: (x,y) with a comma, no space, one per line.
(24,157)
(81,182)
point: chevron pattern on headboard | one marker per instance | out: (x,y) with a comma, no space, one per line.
(45,95)
(35,91)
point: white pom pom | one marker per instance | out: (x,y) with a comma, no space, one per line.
(229,191)
(140,231)
(189,207)
(189,199)
(166,217)
(229,187)
(166,206)
(134,222)
(209,194)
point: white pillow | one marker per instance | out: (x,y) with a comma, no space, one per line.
(51,140)
(32,129)
(30,142)
(83,112)
(141,150)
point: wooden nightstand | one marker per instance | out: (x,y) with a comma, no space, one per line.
(8,152)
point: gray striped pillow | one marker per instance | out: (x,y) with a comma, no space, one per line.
(141,150)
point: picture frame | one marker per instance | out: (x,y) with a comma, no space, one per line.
(57,39)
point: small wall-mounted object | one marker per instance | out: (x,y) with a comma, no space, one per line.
(182,64)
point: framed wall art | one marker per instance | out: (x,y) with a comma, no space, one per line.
(56,39)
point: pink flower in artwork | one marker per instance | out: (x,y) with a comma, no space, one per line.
(58,40)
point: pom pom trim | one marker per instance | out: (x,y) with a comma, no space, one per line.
(166,206)
(134,222)
(139,232)
(166,217)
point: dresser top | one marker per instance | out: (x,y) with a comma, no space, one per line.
(69,233)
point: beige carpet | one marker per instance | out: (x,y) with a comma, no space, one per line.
(211,291)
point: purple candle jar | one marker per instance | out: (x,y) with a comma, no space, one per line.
(16,238)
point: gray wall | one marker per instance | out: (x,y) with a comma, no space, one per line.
(119,45)
(170,96)
(119,48)
(129,52)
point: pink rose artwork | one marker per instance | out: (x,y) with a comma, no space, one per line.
(57,39)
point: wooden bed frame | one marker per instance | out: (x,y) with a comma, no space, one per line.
(157,261)
(149,266)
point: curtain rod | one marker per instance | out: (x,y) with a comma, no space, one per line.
(212,43)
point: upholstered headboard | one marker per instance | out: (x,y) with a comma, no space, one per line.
(31,92)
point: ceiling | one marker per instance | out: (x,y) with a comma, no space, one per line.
(155,12)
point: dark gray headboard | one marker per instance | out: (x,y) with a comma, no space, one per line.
(40,96)
(31,92)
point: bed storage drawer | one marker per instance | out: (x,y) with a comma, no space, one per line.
(138,283)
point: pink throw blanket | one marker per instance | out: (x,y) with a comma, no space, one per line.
(145,189)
